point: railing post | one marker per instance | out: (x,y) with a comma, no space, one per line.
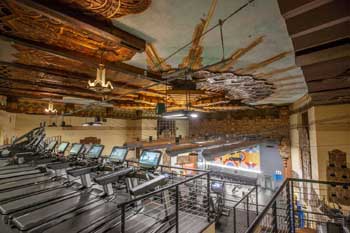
(274,217)
(256,200)
(292,206)
(123,219)
(289,206)
(247,211)
(234,219)
(208,195)
(177,208)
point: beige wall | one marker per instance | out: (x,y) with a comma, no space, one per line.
(182,128)
(7,127)
(294,121)
(329,129)
(332,124)
(115,132)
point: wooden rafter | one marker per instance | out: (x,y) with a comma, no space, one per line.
(253,67)
(228,64)
(81,57)
(66,76)
(275,72)
(154,61)
(194,60)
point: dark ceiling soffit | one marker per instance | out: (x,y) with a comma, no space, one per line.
(73,17)
(333,44)
(88,60)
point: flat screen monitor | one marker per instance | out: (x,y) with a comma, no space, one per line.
(76,148)
(51,145)
(95,151)
(150,159)
(118,154)
(62,147)
(217,187)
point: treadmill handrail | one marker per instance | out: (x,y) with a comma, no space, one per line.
(112,177)
(167,187)
(148,185)
(82,171)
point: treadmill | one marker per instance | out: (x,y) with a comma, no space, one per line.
(65,162)
(18,168)
(23,171)
(37,214)
(108,211)
(149,162)
(20,181)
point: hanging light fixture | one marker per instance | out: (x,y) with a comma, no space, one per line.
(50,108)
(186,113)
(99,84)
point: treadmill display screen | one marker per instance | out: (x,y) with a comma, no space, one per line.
(51,145)
(94,152)
(62,147)
(150,158)
(75,149)
(118,154)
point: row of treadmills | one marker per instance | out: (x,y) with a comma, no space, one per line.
(78,192)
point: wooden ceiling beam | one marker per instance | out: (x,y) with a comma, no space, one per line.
(307,22)
(72,75)
(323,55)
(300,7)
(322,36)
(74,18)
(329,69)
(81,57)
(68,90)
(54,89)
(13,92)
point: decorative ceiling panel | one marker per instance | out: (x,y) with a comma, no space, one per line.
(110,8)
(25,23)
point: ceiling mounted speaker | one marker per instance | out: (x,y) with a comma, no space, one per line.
(160,108)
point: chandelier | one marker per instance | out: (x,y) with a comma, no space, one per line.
(100,84)
(50,108)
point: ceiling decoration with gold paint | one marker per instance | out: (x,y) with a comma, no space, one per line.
(48,52)
(256,44)
(26,23)
(110,8)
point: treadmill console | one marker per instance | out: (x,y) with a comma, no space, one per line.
(51,145)
(118,154)
(150,159)
(62,147)
(76,149)
(95,151)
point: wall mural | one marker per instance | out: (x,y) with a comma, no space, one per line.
(248,158)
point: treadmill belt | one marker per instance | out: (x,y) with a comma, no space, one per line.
(9,167)
(21,169)
(48,213)
(17,193)
(85,219)
(24,182)
(14,179)
(10,175)
(33,200)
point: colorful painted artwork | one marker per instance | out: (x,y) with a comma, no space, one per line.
(246,158)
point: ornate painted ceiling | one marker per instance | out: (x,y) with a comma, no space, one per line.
(50,49)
